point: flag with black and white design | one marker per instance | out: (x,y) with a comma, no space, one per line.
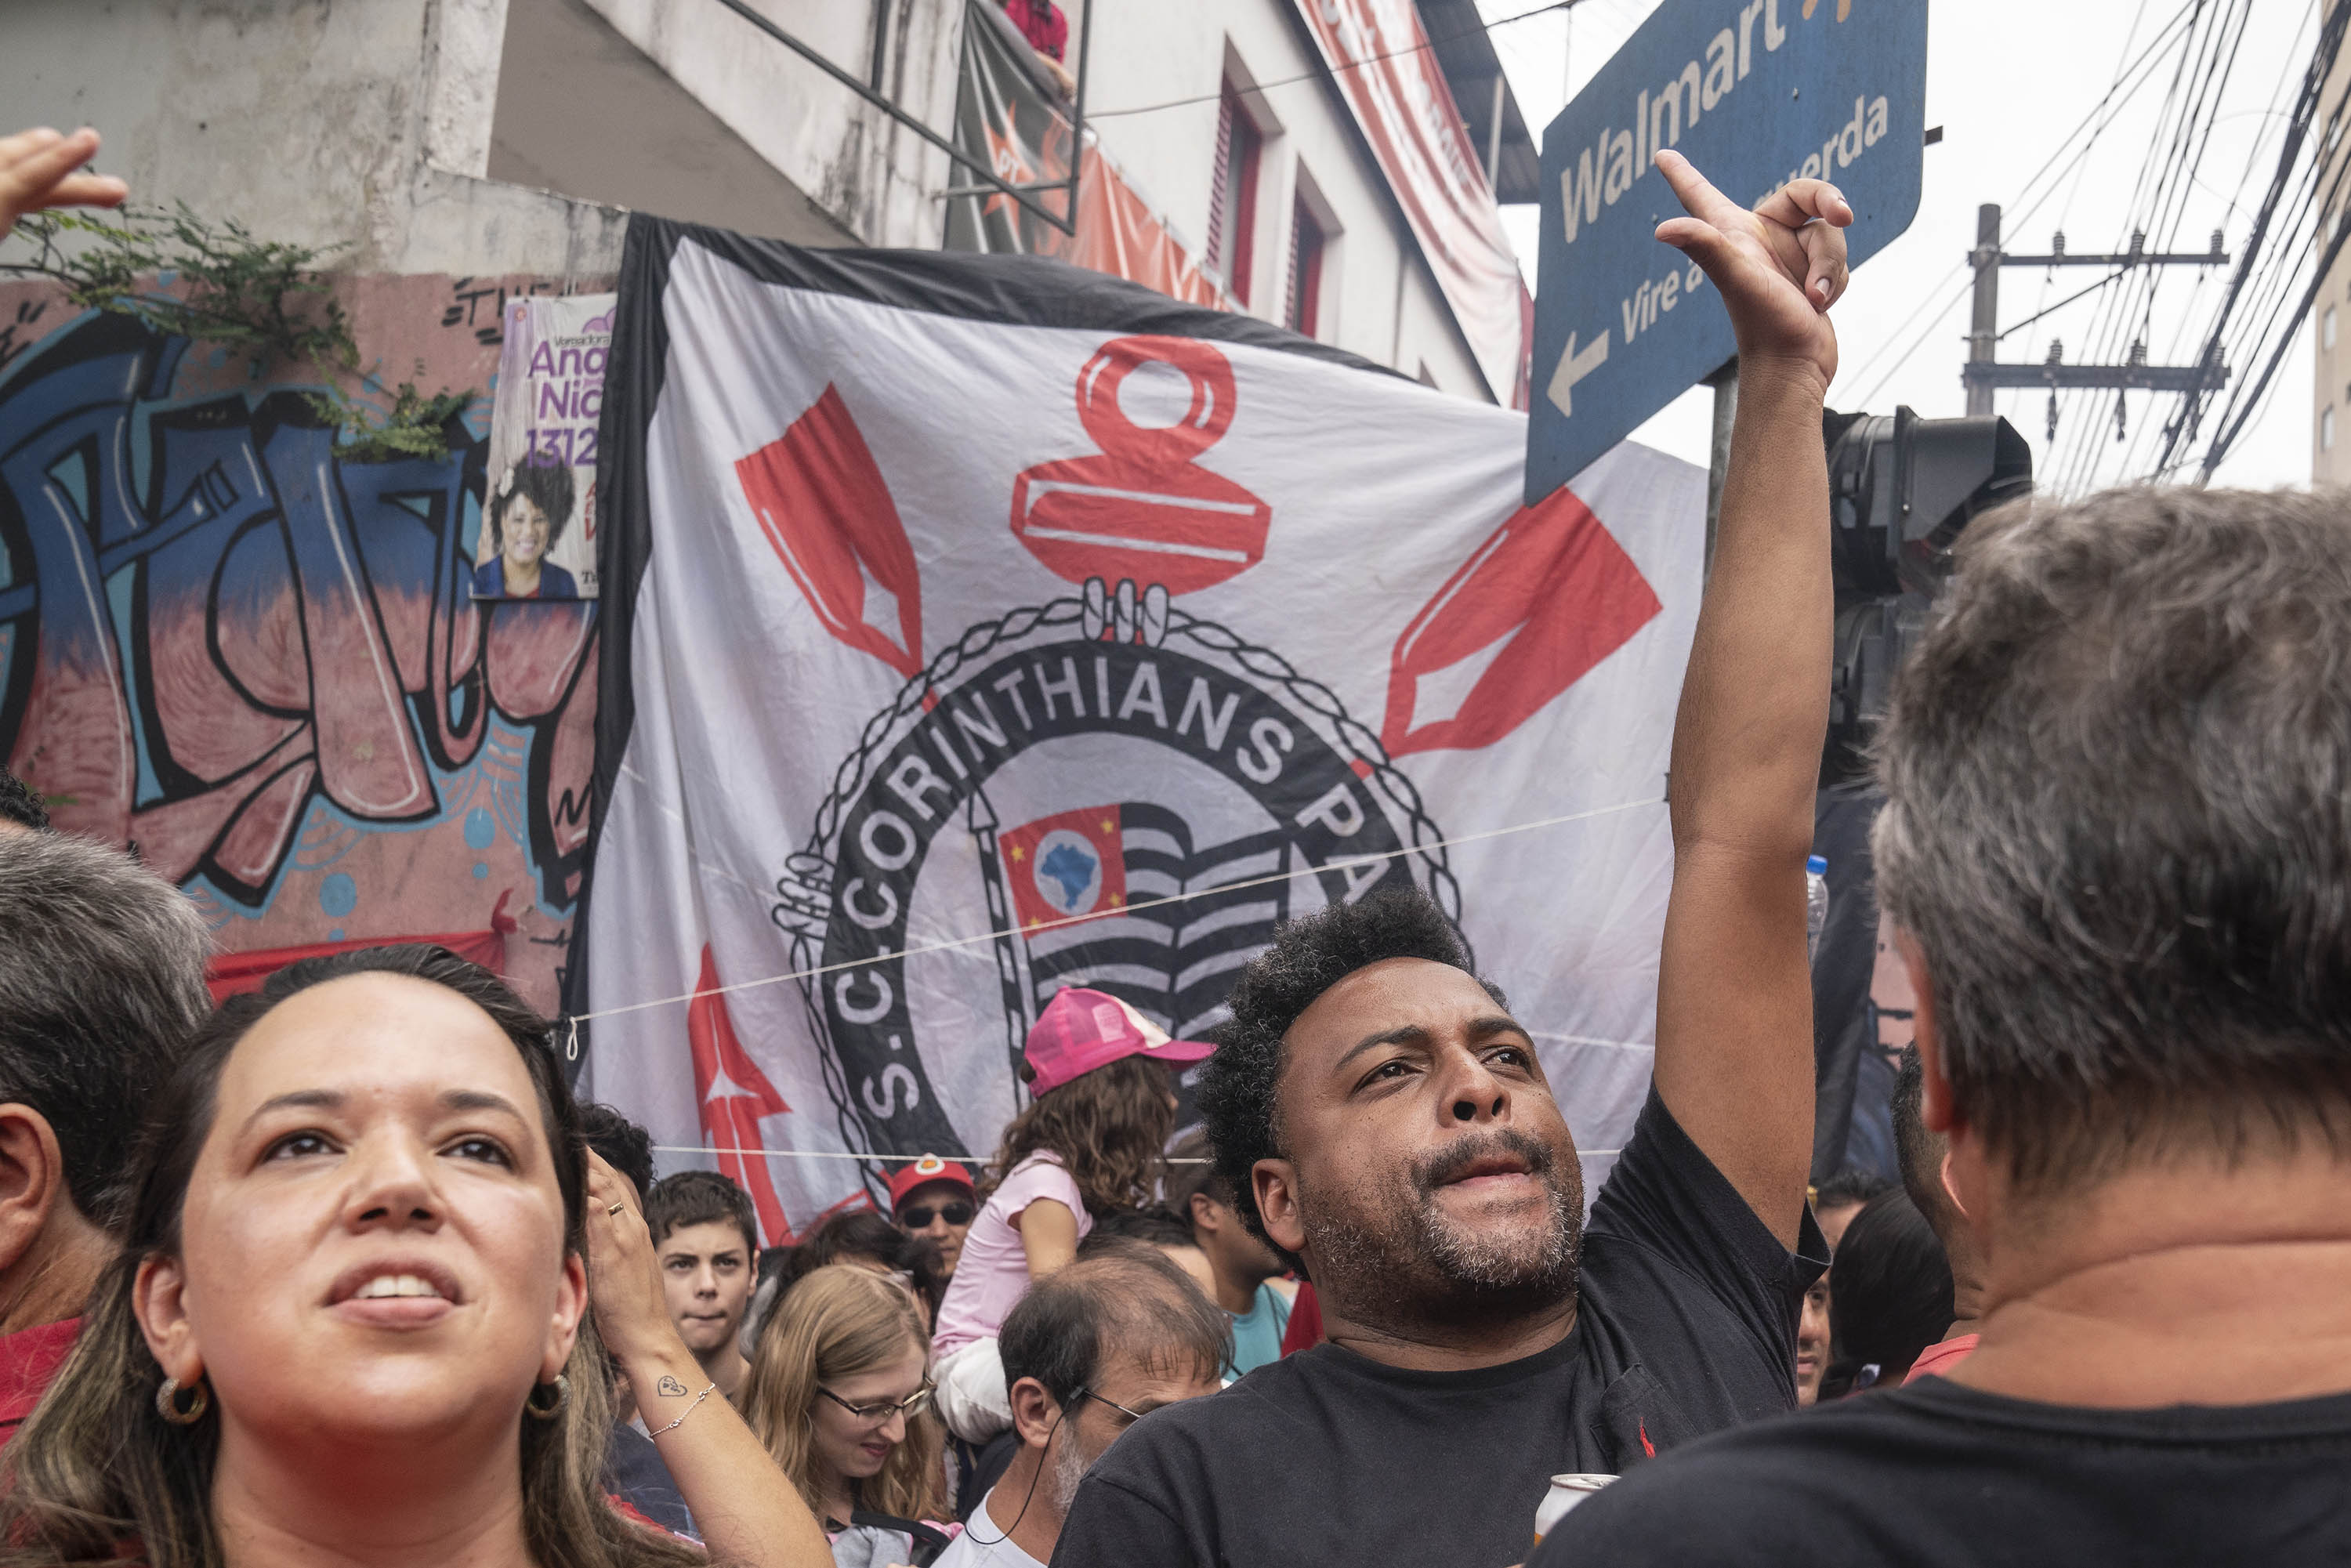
(980,626)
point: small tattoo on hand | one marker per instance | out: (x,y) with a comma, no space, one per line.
(670,1387)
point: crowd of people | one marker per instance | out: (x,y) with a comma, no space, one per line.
(340,1272)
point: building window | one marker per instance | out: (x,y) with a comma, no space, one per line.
(1304,311)
(2326,430)
(1232,194)
(2326,328)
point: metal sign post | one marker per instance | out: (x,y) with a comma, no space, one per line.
(1756,93)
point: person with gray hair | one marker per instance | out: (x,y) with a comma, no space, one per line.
(1091,1349)
(2117,848)
(101,981)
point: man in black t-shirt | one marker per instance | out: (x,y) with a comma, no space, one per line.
(2116,847)
(1384,1125)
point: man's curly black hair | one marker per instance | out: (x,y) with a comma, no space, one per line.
(1308,957)
(18,804)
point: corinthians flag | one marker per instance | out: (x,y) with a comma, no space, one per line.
(982,626)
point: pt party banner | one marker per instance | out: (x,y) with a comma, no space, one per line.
(981,626)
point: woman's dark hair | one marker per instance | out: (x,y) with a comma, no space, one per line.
(1108,1127)
(96,1469)
(1889,1295)
(544,483)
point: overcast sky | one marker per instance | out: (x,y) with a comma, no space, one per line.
(2007,79)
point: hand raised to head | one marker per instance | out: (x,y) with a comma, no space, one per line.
(1779,267)
(36,171)
(624,1282)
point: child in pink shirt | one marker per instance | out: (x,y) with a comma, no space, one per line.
(1090,1142)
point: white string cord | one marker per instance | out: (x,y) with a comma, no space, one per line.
(951,943)
(908,1159)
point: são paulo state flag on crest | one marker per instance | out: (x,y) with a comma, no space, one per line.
(983,626)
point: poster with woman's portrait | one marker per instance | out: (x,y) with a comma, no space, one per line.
(538,518)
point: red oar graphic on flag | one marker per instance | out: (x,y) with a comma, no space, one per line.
(734,1095)
(1547,597)
(822,503)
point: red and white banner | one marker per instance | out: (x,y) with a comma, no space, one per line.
(990,627)
(1379,55)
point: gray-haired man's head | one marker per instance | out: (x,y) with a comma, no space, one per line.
(2118,828)
(101,980)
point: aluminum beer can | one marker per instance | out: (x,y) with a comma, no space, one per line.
(1565,1493)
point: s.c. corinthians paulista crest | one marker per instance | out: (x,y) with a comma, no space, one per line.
(971,655)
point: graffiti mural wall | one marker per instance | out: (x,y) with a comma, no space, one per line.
(259,663)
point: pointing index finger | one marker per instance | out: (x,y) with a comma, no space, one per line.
(1697,196)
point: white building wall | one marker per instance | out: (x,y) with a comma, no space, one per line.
(363,124)
(1378,299)
(874,175)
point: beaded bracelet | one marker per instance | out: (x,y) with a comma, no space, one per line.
(689,1410)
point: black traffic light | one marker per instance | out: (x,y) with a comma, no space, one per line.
(1901,491)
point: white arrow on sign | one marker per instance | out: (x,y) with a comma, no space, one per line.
(1573,367)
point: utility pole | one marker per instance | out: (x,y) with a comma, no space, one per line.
(1983,328)
(1983,374)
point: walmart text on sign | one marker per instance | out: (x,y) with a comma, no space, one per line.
(1756,93)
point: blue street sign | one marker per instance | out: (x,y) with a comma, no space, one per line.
(1755,93)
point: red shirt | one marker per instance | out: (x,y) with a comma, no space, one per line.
(1041,23)
(1936,1360)
(1305,1329)
(28,1359)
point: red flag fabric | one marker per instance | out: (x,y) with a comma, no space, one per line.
(734,1095)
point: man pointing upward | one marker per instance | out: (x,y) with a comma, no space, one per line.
(1385,1124)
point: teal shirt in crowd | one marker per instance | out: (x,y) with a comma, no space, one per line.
(1257,1332)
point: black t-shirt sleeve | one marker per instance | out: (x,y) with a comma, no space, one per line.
(1668,1221)
(1111,1523)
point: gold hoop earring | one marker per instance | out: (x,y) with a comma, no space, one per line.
(168,1406)
(550,1411)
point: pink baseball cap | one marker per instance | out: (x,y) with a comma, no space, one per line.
(1080,1029)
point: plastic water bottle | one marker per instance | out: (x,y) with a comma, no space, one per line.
(1816,904)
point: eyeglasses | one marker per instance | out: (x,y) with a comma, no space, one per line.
(880,1410)
(919,1218)
(1132,1415)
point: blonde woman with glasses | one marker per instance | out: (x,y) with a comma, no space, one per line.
(840,1392)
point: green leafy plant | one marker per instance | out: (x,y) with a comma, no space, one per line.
(178,273)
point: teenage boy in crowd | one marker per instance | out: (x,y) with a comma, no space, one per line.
(1092,1346)
(101,980)
(706,1235)
(2117,850)
(933,1198)
(1245,1271)
(1383,1121)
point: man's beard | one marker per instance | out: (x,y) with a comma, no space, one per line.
(1395,1259)
(1070,1463)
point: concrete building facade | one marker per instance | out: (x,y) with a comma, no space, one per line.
(479,137)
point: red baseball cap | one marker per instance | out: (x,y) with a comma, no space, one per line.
(1080,1029)
(922,1173)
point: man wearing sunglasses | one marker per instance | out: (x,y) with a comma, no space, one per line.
(933,1199)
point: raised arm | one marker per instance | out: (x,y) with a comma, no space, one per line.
(748,1510)
(1734,991)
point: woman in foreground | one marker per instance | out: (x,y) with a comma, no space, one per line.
(346,1327)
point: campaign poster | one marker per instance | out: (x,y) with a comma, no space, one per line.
(538,514)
